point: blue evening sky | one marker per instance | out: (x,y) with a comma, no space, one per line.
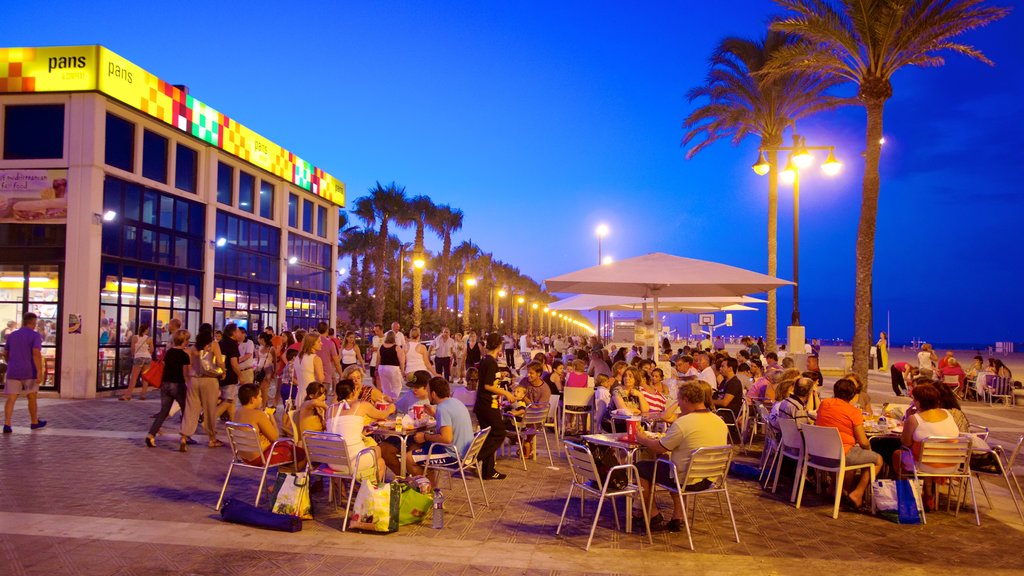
(542,119)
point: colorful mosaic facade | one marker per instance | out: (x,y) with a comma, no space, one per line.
(92,68)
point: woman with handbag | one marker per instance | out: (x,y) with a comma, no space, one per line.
(203,391)
(176,368)
(142,356)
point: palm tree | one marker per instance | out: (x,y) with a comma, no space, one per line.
(865,42)
(424,213)
(465,257)
(385,204)
(450,220)
(738,103)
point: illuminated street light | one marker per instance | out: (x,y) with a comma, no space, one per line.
(607,260)
(521,300)
(761,167)
(419,263)
(831,167)
(788,174)
(470,282)
(502,293)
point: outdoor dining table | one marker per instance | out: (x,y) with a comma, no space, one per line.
(387,429)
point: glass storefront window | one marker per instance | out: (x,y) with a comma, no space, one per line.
(225,183)
(247,192)
(119,143)
(321,221)
(293,210)
(33,131)
(36,289)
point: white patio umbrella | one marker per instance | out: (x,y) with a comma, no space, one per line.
(584,302)
(660,275)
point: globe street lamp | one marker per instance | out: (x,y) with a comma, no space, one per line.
(800,158)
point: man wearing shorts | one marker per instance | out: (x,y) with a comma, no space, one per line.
(23,351)
(454,426)
(838,413)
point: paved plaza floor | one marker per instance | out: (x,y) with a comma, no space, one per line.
(86,496)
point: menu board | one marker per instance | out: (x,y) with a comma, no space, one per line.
(33,196)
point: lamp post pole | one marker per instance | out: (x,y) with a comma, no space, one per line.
(795,320)
(602,231)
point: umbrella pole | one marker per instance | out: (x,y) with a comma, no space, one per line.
(657,329)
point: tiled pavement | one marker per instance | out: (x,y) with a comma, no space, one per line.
(85,496)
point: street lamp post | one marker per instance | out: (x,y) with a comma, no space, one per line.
(401,275)
(498,296)
(515,315)
(800,157)
(601,231)
(533,308)
(470,282)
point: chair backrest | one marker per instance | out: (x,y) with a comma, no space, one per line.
(473,452)
(709,462)
(581,464)
(823,446)
(553,407)
(792,441)
(1000,386)
(536,414)
(327,448)
(727,415)
(1013,455)
(244,439)
(950,453)
(951,379)
(577,396)
(576,380)
(762,411)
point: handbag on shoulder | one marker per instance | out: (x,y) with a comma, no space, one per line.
(209,368)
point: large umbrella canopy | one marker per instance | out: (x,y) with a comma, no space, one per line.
(585,302)
(664,275)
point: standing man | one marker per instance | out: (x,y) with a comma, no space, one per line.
(488,407)
(23,350)
(396,328)
(443,346)
(525,347)
(232,371)
(508,343)
(375,341)
(329,357)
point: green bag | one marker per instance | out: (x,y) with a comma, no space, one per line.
(414,505)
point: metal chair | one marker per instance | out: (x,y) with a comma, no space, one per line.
(823,450)
(771,447)
(244,440)
(463,463)
(999,389)
(729,417)
(953,381)
(954,454)
(792,447)
(1005,471)
(330,453)
(552,419)
(577,402)
(711,463)
(754,421)
(586,479)
(533,423)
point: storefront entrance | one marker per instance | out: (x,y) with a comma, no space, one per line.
(34,288)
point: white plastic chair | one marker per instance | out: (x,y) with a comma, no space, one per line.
(823,450)
(577,401)
(711,463)
(585,479)
(792,447)
(954,454)
(243,439)
(330,450)
(463,463)
(533,422)
(552,418)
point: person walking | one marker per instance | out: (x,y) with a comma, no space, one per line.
(202,389)
(23,350)
(142,357)
(488,408)
(172,389)
(444,349)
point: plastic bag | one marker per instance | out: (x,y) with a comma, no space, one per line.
(376,508)
(291,496)
(413,506)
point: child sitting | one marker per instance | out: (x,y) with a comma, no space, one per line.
(517,410)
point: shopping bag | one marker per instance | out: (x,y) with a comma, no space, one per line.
(291,495)
(909,498)
(154,375)
(886,500)
(897,500)
(413,505)
(376,508)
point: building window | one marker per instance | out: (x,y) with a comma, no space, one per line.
(266,200)
(309,282)
(185,169)
(247,269)
(307,216)
(293,210)
(120,143)
(157,228)
(246,192)
(33,131)
(154,156)
(225,181)
(34,288)
(321,221)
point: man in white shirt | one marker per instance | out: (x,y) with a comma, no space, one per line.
(442,348)
(396,328)
(508,344)
(246,357)
(683,371)
(706,373)
(526,346)
(375,341)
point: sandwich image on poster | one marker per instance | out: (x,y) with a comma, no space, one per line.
(33,196)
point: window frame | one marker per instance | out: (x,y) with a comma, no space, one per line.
(14,101)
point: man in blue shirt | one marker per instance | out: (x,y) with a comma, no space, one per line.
(23,351)
(454,427)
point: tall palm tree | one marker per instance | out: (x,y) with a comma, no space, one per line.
(384,205)
(737,103)
(865,42)
(357,243)
(424,213)
(450,220)
(464,257)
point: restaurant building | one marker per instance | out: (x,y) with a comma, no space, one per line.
(126,201)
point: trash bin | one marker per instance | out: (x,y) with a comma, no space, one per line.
(847,360)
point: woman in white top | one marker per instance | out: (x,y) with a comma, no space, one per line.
(350,353)
(416,357)
(459,358)
(308,366)
(142,356)
(347,418)
(390,370)
(926,358)
(928,421)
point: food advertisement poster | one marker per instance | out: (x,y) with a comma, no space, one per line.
(33,196)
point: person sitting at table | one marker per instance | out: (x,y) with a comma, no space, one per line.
(625,397)
(698,427)
(371,393)
(652,386)
(929,420)
(862,400)
(416,393)
(536,389)
(784,382)
(348,417)
(555,379)
(266,430)
(730,391)
(952,368)
(793,407)
(839,413)
(926,359)
(814,400)
(761,390)
(683,371)
(312,411)
(454,428)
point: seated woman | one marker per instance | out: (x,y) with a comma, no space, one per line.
(266,429)
(626,397)
(312,411)
(862,400)
(348,417)
(652,386)
(930,420)
(366,393)
(953,368)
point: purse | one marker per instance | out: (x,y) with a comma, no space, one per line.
(208,368)
(154,375)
